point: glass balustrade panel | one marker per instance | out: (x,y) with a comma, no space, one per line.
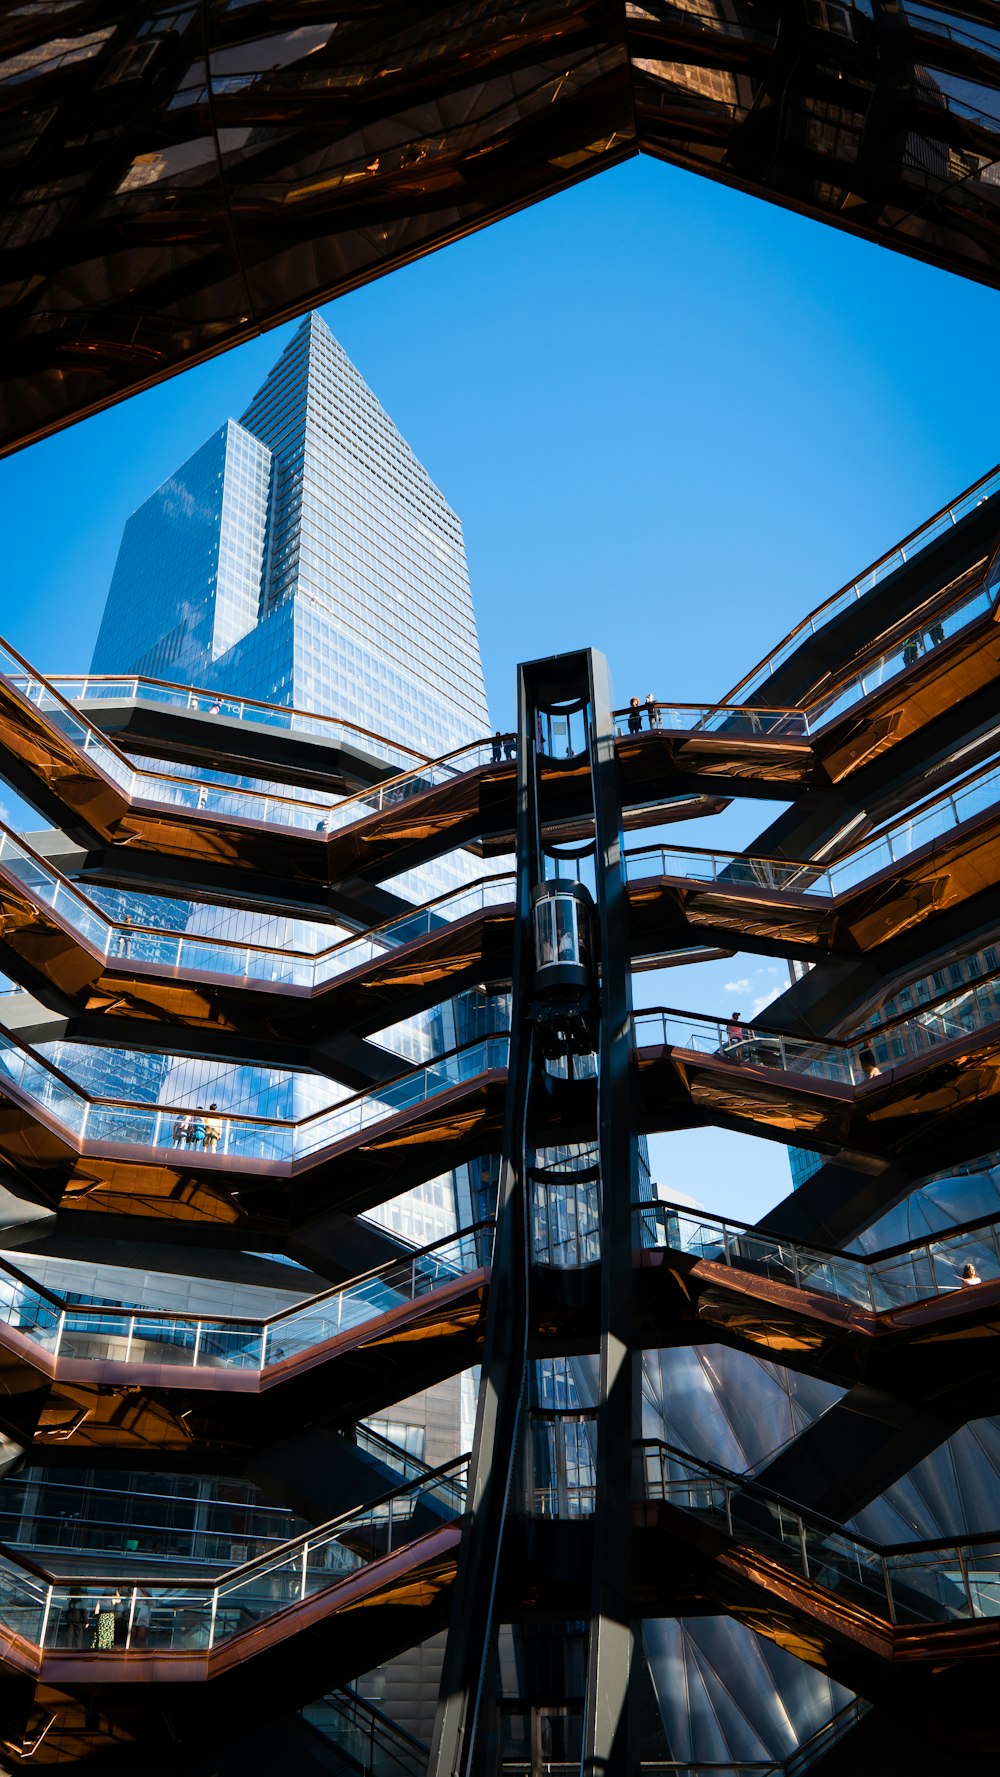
(930,1586)
(26,1311)
(22,1601)
(838,1563)
(840,1276)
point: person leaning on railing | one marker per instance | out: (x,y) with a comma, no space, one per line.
(106,1611)
(735,1038)
(213,1129)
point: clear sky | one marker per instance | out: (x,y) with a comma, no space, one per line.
(672,420)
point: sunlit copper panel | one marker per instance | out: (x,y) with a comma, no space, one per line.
(179,179)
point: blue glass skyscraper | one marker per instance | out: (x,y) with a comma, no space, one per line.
(304,556)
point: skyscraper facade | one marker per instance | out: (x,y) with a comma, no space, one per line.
(303,556)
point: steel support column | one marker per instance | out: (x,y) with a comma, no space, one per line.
(501,1385)
(609,1748)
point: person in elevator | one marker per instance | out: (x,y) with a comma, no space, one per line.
(634,715)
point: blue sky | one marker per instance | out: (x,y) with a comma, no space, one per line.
(672,420)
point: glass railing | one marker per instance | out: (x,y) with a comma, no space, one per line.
(874,576)
(186,952)
(905,652)
(220,793)
(203,1614)
(165,1129)
(920,1271)
(748,1045)
(730,869)
(334,730)
(975,795)
(712,718)
(135,1523)
(906,1038)
(904,1583)
(210,794)
(84,735)
(803,724)
(136,1336)
(47,888)
(373,1744)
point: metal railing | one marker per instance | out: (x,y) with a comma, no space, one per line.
(134,1336)
(926,1582)
(918,1271)
(186,952)
(78,1614)
(804,723)
(904,552)
(976,794)
(173,1129)
(219,793)
(909,1036)
(373,1743)
(335,730)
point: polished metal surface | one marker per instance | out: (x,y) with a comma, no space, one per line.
(181,178)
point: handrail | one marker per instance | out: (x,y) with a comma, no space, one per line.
(825,1252)
(884,840)
(407,1087)
(142,680)
(442,1473)
(189,1317)
(802,721)
(879,1283)
(127,936)
(854,1060)
(132,777)
(360,1714)
(746,1484)
(340,1104)
(863,583)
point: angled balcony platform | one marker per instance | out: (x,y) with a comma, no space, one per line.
(185,830)
(259,1173)
(908,1321)
(942,857)
(189,724)
(95,1378)
(913,1626)
(931,1093)
(59,942)
(932,1098)
(266,1635)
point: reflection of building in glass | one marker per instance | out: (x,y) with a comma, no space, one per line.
(770,1452)
(304,557)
